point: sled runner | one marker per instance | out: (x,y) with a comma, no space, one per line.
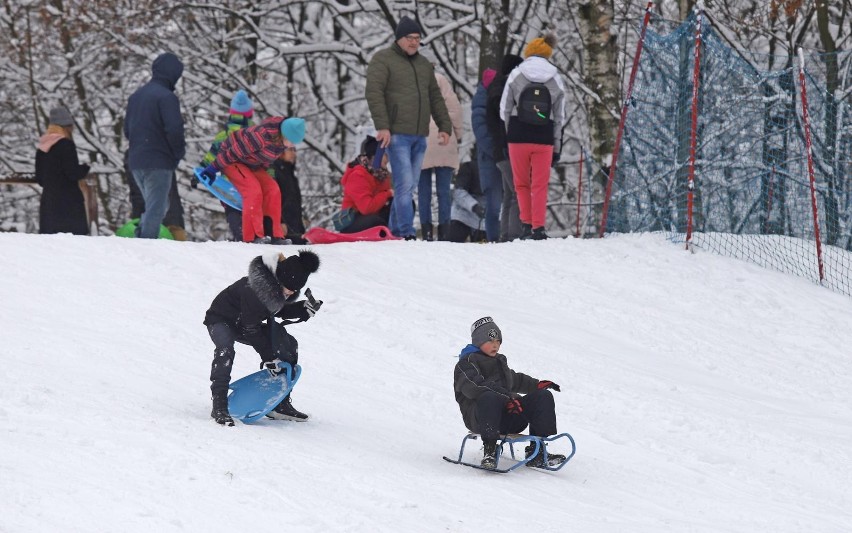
(222,188)
(324,236)
(256,394)
(511,440)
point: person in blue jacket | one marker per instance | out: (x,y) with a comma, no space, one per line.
(489,394)
(153,126)
(489,175)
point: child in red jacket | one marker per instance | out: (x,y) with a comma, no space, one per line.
(367,189)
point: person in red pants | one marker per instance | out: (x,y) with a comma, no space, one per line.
(533,108)
(244,158)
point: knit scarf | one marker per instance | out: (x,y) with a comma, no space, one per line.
(53,135)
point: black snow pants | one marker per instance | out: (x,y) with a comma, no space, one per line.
(278,344)
(493,419)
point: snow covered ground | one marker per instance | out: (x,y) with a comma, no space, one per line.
(705,394)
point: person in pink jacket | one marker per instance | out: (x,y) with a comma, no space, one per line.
(442,161)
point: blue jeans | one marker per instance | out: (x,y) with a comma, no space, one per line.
(405,153)
(491,182)
(155,184)
(443,177)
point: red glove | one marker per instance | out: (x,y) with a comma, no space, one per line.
(545,384)
(514,406)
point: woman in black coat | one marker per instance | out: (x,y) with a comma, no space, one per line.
(58,171)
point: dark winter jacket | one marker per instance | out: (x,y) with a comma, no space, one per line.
(256,147)
(284,173)
(495,123)
(402,93)
(496,126)
(59,172)
(153,123)
(251,300)
(477,373)
(478,110)
(534,69)
(363,191)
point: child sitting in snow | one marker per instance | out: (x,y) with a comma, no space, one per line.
(245,312)
(489,395)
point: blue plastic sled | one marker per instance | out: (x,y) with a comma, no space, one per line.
(511,440)
(222,188)
(256,394)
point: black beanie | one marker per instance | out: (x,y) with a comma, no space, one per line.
(369,146)
(484,330)
(293,272)
(406,26)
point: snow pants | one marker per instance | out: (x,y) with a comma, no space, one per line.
(261,197)
(275,343)
(531,170)
(493,419)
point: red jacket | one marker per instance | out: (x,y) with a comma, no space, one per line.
(255,147)
(363,191)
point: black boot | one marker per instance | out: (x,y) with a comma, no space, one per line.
(427,232)
(444,231)
(538,234)
(553,459)
(489,455)
(526,231)
(286,411)
(220,410)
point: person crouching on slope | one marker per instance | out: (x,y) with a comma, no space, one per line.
(489,395)
(245,312)
(244,157)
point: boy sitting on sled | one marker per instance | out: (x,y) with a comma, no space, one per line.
(489,395)
(245,312)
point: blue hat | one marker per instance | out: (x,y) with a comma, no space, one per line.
(293,129)
(241,104)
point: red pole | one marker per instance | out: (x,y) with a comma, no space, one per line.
(579,191)
(693,134)
(769,199)
(623,118)
(809,149)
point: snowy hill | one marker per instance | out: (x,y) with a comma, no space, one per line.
(705,394)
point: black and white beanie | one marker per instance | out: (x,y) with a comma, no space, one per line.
(484,330)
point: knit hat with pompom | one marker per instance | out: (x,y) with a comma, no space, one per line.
(541,46)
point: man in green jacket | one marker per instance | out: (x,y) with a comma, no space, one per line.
(403,94)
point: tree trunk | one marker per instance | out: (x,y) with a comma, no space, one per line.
(494,23)
(832,216)
(601,74)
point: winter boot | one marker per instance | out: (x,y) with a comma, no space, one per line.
(444,231)
(262,240)
(220,410)
(538,234)
(427,232)
(489,455)
(286,411)
(526,231)
(553,459)
(280,241)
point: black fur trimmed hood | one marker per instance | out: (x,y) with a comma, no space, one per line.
(262,280)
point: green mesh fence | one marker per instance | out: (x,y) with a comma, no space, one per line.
(751,191)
